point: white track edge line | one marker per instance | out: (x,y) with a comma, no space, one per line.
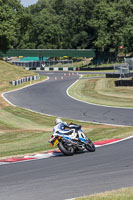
(55,115)
(48,155)
(67,91)
(94,103)
(29,85)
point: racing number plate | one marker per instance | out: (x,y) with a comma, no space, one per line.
(56,142)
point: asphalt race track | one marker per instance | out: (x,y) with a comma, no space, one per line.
(50,97)
(59,178)
(63,177)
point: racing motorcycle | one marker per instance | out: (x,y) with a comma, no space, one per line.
(68,146)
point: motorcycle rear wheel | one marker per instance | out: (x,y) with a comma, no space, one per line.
(64,148)
(90,146)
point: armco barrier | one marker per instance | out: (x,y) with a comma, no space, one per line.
(25,79)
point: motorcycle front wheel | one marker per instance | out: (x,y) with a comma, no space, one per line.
(90,146)
(64,148)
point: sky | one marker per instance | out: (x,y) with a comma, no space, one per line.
(28,2)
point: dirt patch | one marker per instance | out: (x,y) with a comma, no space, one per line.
(3,103)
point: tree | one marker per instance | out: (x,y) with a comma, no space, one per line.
(113,24)
(13,22)
(77,33)
(101,24)
(7,25)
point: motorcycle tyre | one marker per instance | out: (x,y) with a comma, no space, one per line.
(90,146)
(64,150)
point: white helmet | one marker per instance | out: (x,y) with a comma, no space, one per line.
(58,120)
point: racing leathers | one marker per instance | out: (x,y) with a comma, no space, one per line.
(63,128)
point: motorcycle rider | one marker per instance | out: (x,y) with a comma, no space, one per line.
(62,128)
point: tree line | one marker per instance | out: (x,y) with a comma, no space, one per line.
(105,25)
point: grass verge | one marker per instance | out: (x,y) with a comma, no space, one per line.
(23,131)
(121,194)
(102,91)
(93,75)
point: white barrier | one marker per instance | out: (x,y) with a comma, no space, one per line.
(25,79)
(59,68)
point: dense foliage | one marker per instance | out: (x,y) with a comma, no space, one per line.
(14,21)
(101,24)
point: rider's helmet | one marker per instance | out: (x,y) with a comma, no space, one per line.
(58,120)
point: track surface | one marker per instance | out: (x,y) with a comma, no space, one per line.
(50,98)
(59,178)
(110,167)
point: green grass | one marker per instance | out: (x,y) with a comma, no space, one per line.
(10,72)
(92,75)
(70,64)
(106,65)
(121,194)
(107,132)
(23,131)
(102,91)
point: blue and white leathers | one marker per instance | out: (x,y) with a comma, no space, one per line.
(59,129)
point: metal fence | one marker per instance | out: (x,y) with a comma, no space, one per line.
(122,69)
(129,61)
(28,65)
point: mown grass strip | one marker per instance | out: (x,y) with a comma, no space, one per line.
(121,194)
(93,75)
(102,91)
